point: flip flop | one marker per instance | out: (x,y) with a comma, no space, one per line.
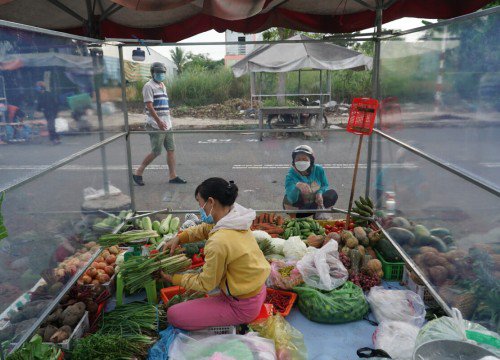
(177,180)
(138,180)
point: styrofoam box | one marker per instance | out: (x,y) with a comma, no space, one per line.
(80,329)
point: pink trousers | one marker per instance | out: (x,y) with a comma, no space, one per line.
(220,310)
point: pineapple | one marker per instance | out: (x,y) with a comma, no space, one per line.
(466,303)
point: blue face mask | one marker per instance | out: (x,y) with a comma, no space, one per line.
(204,217)
(159,77)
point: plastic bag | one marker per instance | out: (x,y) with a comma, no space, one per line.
(227,347)
(288,340)
(344,304)
(396,305)
(278,244)
(159,351)
(294,248)
(323,215)
(453,328)
(322,268)
(284,275)
(397,338)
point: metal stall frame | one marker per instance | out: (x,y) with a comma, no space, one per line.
(380,35)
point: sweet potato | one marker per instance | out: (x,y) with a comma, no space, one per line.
(60,335)
(49,331)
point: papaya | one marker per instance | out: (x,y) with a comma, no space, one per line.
(388,251)
(435,242)
(401,235)
(421,232)
(440,232)
(401,222)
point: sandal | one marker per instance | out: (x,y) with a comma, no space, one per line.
(177,180)
(138,180)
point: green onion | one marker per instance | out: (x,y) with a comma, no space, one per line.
(139,270)
(111,347)
(126,237)
(132,319)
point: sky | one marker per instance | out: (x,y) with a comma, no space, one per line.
(217,52)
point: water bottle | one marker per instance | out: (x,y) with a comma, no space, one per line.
(390,202)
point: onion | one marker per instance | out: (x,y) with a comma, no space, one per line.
(86,279)
(105,254)
(103,278)
(92,272)
(100,265)
(100,272)
(109,270)
(111,259)
(95,282)
(99,259)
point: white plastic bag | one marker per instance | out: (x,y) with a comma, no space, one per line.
(396,338)
(453,328)
(396,305)
(227,347)
(323,215)
(322,268)
(294,248)
(61,125)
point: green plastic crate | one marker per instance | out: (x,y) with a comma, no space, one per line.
(79,102)
(393,271)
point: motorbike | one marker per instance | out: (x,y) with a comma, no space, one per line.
(307,120)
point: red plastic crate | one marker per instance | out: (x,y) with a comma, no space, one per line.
(362,116)
(169,292)
(292,297)
(265,311)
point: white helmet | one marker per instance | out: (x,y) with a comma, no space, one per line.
(303,149)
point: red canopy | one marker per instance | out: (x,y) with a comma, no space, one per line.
(175,20)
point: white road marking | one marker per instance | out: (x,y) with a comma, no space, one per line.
(214,141)
(325,166)
(490,165)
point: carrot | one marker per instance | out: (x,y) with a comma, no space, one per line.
(271,218)
(280,220)
(276,231)
(260,218)
(274,235)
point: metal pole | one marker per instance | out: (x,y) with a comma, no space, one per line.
(375,95)
(127,129)
(97,57)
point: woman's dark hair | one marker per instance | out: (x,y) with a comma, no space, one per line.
(219,189)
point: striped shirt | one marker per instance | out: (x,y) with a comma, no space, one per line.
(157,94)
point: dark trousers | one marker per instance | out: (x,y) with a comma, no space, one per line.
(330,198)
(51,126)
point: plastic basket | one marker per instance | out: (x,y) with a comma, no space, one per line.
(393,271)
(167,293)
(362,116)
(211,331)
(292,297)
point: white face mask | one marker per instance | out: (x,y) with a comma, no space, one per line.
(302,165)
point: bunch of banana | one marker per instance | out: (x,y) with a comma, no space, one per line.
(364,207)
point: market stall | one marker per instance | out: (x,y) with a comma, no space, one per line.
(83,285)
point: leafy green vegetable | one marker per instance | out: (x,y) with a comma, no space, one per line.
(35,349)
(111,347)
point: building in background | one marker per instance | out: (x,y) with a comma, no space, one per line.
(237,52)
(134,70)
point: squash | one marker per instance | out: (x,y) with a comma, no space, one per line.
(361,250)
(352,242)
(374,265)
(345,235)
(360,234)
(356,258)
(401,236)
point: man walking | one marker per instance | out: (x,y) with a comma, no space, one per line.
(47,103)
(159,122)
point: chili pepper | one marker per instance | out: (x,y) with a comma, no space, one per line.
(279,301)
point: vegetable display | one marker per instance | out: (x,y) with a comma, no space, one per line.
(344,304)
(102,269)
(111,347)
(126,237)
(35,349)
(364,207)
(302,227)
(138,270)
(270,223)
(279,301)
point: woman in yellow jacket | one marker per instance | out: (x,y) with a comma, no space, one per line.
(233,262)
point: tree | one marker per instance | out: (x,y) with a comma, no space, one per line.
(201,62)
(179,58)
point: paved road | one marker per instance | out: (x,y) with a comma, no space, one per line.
(259,169)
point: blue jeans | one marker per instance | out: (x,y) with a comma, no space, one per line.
(17,132)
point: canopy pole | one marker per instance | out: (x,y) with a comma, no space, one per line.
(375,95)
(252,88)
(127,128)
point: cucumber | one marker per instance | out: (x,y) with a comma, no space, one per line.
(286,234)
(363,200)
(440,232)
(174,225)
(156,225)
(305,225)
(146,223)
(401,236)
